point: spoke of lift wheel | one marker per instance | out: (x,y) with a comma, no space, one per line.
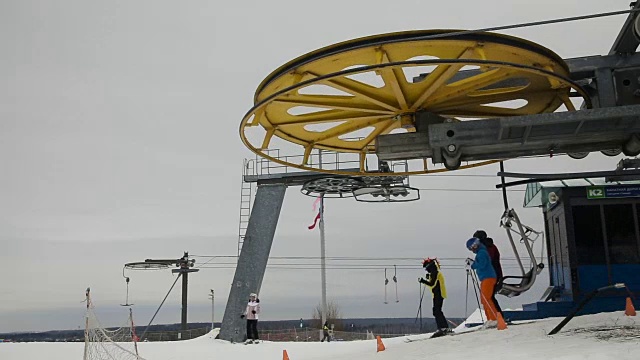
(438,78)
(358,90)
(342,97)
(463,87)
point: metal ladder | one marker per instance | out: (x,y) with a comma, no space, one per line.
(246,198)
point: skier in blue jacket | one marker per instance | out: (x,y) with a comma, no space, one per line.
(487,276)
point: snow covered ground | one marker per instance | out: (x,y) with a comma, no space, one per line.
(600,336)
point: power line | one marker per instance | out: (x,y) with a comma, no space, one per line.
(469,190)
(458,175)
(348,263)
(533,23)
(317,266)
(415,263)
(458,264)
(377,266)
(354,258)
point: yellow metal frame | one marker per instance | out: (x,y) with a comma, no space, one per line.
(541,79)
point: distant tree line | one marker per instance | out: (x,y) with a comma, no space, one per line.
(374,325)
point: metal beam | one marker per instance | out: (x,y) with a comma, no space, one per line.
(252,262)
(606,89)
(580,68)
(295,178)
(511,137)
(585,67)
(610,80)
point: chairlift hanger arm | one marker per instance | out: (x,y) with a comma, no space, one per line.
(505,199)
(626,41)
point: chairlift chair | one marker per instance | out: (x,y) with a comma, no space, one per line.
(527,236)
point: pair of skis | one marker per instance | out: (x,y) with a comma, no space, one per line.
(443,333)
(474,328)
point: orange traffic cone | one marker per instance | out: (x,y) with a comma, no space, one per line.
(502,325)
(285,356)
(380,344)
(629,309)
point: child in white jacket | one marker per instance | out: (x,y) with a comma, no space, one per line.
(251,313)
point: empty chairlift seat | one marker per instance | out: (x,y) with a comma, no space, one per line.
(527,278)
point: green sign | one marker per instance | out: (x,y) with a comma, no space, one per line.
(608,192)
(595,192)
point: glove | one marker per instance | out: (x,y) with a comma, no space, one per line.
(253,312)
(422,281)
(469,261)
(242,316)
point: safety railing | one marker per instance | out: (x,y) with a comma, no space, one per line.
(315,335)
(323,159)
(174,335)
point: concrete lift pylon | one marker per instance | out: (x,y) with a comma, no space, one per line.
(612,125)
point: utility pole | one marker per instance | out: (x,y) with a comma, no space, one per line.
(212,297)
(184,267)
(323,266)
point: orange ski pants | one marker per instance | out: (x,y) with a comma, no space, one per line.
(486,292)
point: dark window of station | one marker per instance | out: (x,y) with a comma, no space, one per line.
(621,234)
(588,234)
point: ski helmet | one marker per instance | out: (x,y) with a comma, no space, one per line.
(473,243)
(429,264)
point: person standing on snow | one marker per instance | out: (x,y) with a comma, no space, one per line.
(251,313)
(494,254)
(487,276)
(435,280)
(325,332)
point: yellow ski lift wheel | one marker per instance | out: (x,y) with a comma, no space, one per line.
(341,97)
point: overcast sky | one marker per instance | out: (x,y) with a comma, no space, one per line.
(119,142)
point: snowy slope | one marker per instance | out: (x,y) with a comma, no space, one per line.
(600,336)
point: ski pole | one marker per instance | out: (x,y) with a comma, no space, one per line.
(476,288)
(395,280)
(420,305)
(386,281)
(466,298)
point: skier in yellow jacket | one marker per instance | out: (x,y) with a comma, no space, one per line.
(435,280)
